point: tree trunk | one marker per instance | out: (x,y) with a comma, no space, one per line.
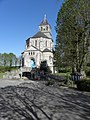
(83,61)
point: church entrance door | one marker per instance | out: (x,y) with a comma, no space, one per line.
(32,63)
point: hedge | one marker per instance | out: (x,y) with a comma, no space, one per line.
(64,70)
(4,69)
(83,85)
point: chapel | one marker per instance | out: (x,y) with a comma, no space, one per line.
(39,47)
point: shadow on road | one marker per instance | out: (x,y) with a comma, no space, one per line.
(26,102)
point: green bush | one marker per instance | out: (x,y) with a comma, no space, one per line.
(44,66)
(4,69)
(87,71)
(83,85)
(64,70)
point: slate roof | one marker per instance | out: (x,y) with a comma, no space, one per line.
(46,50)
(39,34)
(44,22)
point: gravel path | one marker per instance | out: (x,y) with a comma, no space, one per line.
(29,100)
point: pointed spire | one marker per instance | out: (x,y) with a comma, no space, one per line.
(44,17)
(44,22)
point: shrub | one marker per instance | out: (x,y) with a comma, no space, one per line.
(44,66)
(83,85)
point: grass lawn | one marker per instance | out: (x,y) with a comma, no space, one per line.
(64,74)
(1,75)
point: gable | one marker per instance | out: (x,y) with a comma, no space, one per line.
(31,48)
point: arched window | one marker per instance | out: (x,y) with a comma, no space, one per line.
(46,27)
(50,45)
(36,43)
(46,43)
(50,58)
(27,42)
(41,28)
(33,53)
(40,56)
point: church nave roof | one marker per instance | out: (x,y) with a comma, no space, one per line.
(40,34)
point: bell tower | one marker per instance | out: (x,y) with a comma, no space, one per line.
(45,27)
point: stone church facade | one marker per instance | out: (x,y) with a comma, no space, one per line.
(39,47)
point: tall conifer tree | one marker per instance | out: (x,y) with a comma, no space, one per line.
(73,34)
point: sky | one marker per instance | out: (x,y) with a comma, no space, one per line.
(19,20)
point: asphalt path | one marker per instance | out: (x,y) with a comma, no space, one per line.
(4,83)
(33,100)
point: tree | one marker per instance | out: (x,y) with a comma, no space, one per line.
(88,59)
(12,59)
(5,59)
(8,59)
(73,34)
(1,59)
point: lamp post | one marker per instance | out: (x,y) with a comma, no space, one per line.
(75,77)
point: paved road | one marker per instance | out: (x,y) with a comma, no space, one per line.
(4,83)
(36,101)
